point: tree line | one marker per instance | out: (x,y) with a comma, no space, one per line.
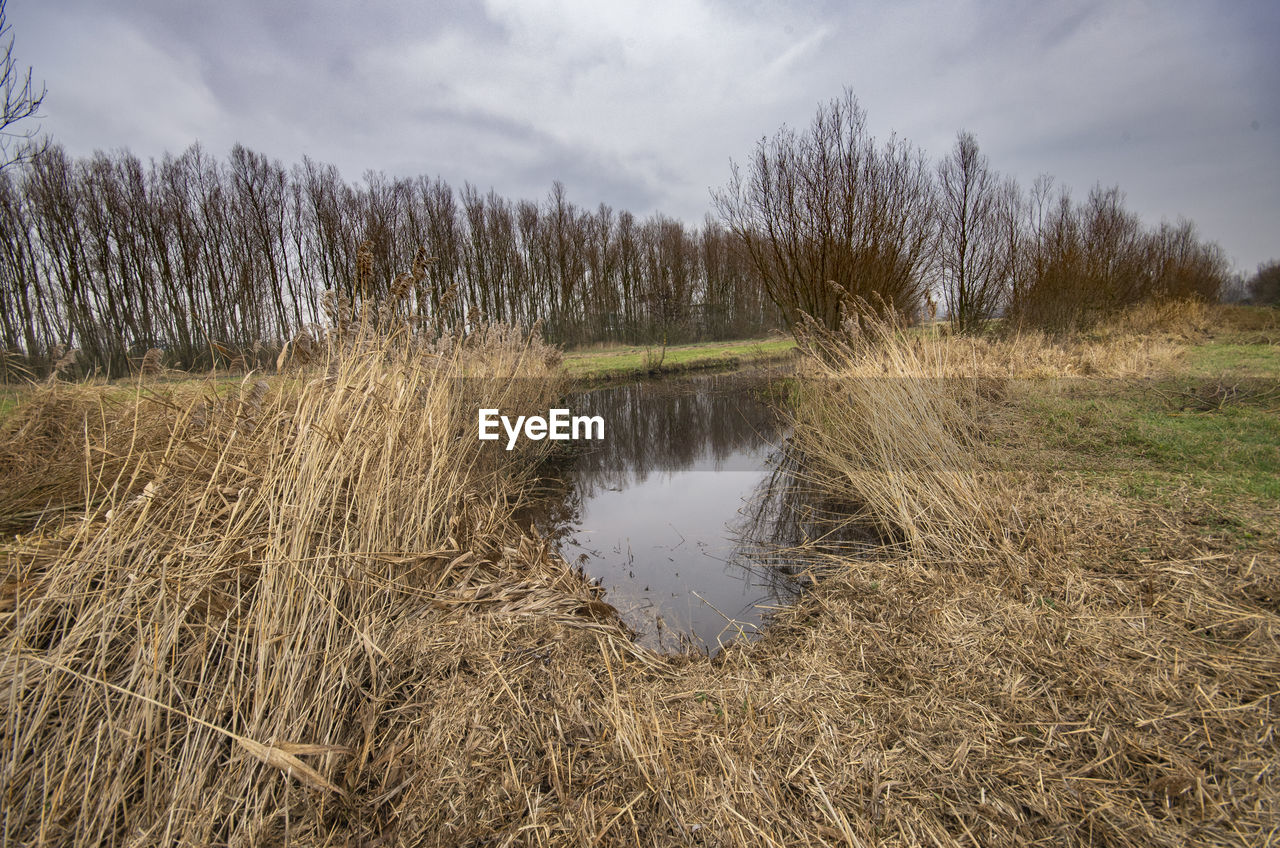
(216,260)
(836,222)
(210,261)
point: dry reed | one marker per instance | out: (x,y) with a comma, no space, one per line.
(881,425)
(218,613)
(303,617)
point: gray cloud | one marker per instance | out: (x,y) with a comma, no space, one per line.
(642,105)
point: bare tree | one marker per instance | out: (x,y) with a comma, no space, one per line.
(1178,264)
(974,255)
(21,101)
(1264,286)
(1115,274)
(830,220)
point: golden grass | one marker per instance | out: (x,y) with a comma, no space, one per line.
(302,616)
(63,441)
(889,421)
(221,608)
(602,362)
(880,426)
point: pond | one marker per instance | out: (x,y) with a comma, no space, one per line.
(675,512)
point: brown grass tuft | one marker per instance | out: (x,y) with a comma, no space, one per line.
(151,362)
(881,425)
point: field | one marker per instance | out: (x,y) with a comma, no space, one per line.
(630,361)
(300,610)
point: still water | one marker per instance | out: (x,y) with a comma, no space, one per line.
(666,511)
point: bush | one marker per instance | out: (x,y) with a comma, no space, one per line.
(1264,287)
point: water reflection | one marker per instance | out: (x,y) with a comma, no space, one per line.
(682,509)
(788,520)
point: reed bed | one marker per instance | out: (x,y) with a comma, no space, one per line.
(63,441)
(305,617)
(199,656)
(896,425)
(881,426)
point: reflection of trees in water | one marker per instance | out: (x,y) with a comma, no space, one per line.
(655,426)
(667,426)
(671,425)
(786,527)
(788,523)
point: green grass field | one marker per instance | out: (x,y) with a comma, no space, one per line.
(1208,426)
(603,362)
(638,360)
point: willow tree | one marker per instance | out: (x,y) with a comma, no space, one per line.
(832,220)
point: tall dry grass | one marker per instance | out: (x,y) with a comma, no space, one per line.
(881,427)
(56,444)
(200,656)
(894,422)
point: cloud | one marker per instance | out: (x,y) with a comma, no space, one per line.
(635,88)
(109,87)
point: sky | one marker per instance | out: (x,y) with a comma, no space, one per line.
(643,105)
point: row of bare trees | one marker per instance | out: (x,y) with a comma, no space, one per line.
(1073,263)
(207,258)
(834,221)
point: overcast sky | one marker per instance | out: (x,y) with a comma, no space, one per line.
(642,105)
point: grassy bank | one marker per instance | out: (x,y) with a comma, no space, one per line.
(310,620)
(611,362)
(591,364)
(1079,630)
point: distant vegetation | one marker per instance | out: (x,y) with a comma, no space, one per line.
(206,262)
(830,218)
(836,222)
(1264,286)
(631,361)
(222,261)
